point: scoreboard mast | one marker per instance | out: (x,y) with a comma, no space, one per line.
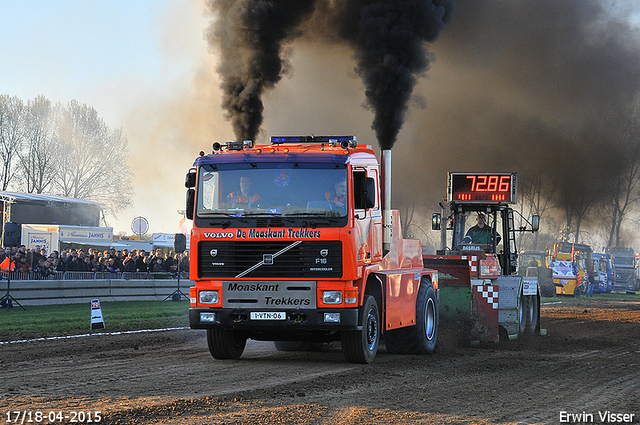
(482,188)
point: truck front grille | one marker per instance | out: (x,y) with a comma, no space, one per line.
(270,259)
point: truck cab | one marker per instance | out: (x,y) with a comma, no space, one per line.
(626,269)
(602,273)
(288,246)
(572,267)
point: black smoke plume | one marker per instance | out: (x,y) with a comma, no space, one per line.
(389,40)
(388,37)
(250,36)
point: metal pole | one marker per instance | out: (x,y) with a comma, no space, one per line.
(386,199)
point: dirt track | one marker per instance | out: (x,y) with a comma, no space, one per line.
(588,363)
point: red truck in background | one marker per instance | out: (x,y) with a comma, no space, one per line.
(282,250)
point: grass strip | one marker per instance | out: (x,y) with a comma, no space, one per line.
(72,319)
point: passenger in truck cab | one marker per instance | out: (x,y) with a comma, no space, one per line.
(245,197)
(337,198)
(480,233)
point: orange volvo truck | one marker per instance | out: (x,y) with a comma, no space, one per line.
(295,242)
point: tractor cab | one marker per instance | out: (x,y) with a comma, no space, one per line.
(481,219)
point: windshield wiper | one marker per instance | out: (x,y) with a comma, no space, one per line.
(315,215)
(256,214)
(305,214)
(224,223)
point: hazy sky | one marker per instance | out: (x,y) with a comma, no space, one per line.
(123,58)
(507,75)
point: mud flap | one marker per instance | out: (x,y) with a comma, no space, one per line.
(509,316)
(485,303)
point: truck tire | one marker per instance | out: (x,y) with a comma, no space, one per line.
(361,346)
(225,344)
(420,338)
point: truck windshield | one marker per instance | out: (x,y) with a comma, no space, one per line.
(624,261)
(288,190)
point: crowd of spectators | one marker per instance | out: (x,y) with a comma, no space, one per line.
(42,265)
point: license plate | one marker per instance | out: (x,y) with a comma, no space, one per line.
(268,315)
(564,281)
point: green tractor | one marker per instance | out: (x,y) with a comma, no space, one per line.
(534,263)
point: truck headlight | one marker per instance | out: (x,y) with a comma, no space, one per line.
(332,317)
(209,297)
(332,297)
(207,317)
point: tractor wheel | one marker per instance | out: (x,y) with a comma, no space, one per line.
(361,346)
(547,288)
(522,315)
(577,292)
(225,344)
(533,313)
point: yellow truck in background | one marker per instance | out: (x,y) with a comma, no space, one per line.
(570,264)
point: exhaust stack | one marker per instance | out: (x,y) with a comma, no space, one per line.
(386,199)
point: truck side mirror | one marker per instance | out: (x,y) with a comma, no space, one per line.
(191,196)
(190,179)
(436,221)
(535,223)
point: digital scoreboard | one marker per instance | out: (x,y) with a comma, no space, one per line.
(482,188)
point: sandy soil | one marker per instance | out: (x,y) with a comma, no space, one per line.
(587,364)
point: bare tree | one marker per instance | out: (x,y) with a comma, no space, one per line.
(37,158)
(407,219)
(623,195)
(580,186)
(537,190)
(624,176)
(11,132)
(91,159)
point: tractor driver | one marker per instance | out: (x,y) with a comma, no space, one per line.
(481,233)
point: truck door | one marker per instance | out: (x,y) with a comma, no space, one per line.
(368,218)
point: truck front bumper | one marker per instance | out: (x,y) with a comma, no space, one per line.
(299,320)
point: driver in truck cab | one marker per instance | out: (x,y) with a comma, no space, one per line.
(338,197)
(245,197)
(480,233)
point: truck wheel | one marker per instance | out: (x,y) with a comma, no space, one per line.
(577,292)
(361,346)
(420,338)
(225,344)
